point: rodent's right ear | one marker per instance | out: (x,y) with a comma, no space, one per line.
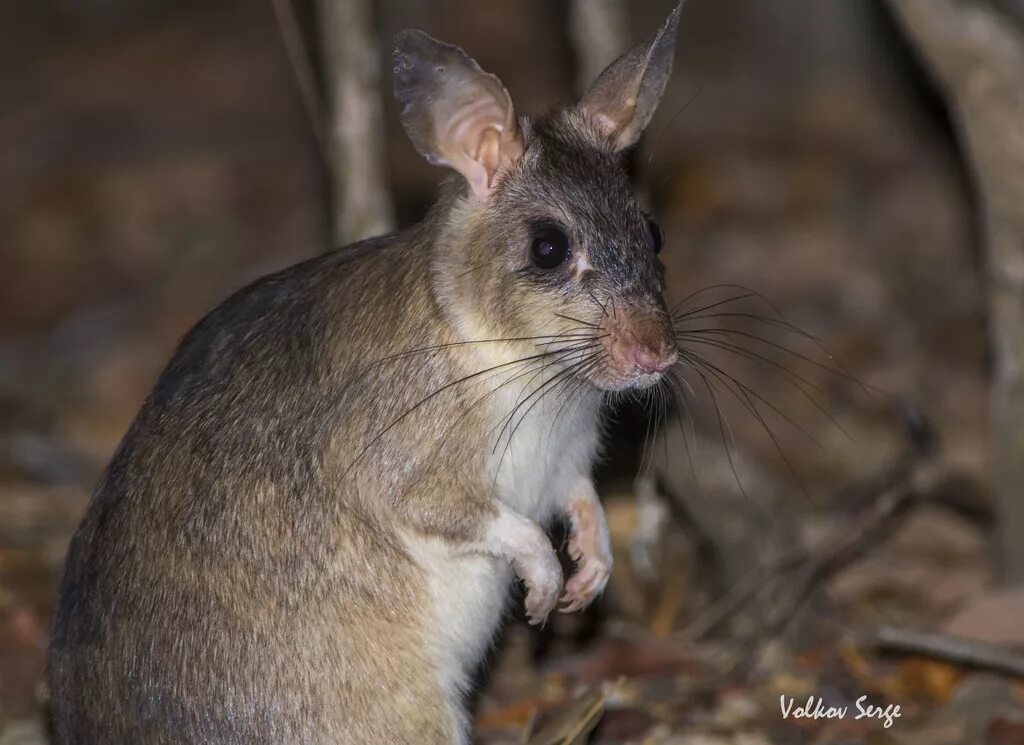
(622,100)
(455,113)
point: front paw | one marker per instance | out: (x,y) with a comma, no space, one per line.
(533,558)
(590,547)
(588,582)
(542,576)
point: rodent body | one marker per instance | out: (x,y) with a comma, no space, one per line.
(245,577)
(244,562)
(309,532)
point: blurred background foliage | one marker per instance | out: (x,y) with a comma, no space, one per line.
(158,155)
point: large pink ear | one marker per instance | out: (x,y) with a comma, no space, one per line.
(455,113)
(621,102)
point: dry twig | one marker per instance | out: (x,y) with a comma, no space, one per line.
(949,648)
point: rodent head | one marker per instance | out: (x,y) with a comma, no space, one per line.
(544,243)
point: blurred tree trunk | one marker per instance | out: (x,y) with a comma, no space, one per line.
(351,63)
(600,33)
(976,52)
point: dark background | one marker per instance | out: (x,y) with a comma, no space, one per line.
(157,155)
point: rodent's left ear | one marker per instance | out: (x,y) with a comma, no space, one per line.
(455,113)
(622,100)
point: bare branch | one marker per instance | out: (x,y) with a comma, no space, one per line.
(302,69)
(977,55)
(362,203)
(600,33)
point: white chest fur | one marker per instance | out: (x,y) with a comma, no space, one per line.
(538,453)
(533,461)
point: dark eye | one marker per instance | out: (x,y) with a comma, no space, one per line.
(550,248)
(657,238)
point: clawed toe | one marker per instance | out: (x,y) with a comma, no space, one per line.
(584,586)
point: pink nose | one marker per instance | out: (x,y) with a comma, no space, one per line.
(652,361)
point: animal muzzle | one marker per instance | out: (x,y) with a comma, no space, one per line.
(639,344)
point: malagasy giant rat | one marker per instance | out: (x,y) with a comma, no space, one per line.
(309,532)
